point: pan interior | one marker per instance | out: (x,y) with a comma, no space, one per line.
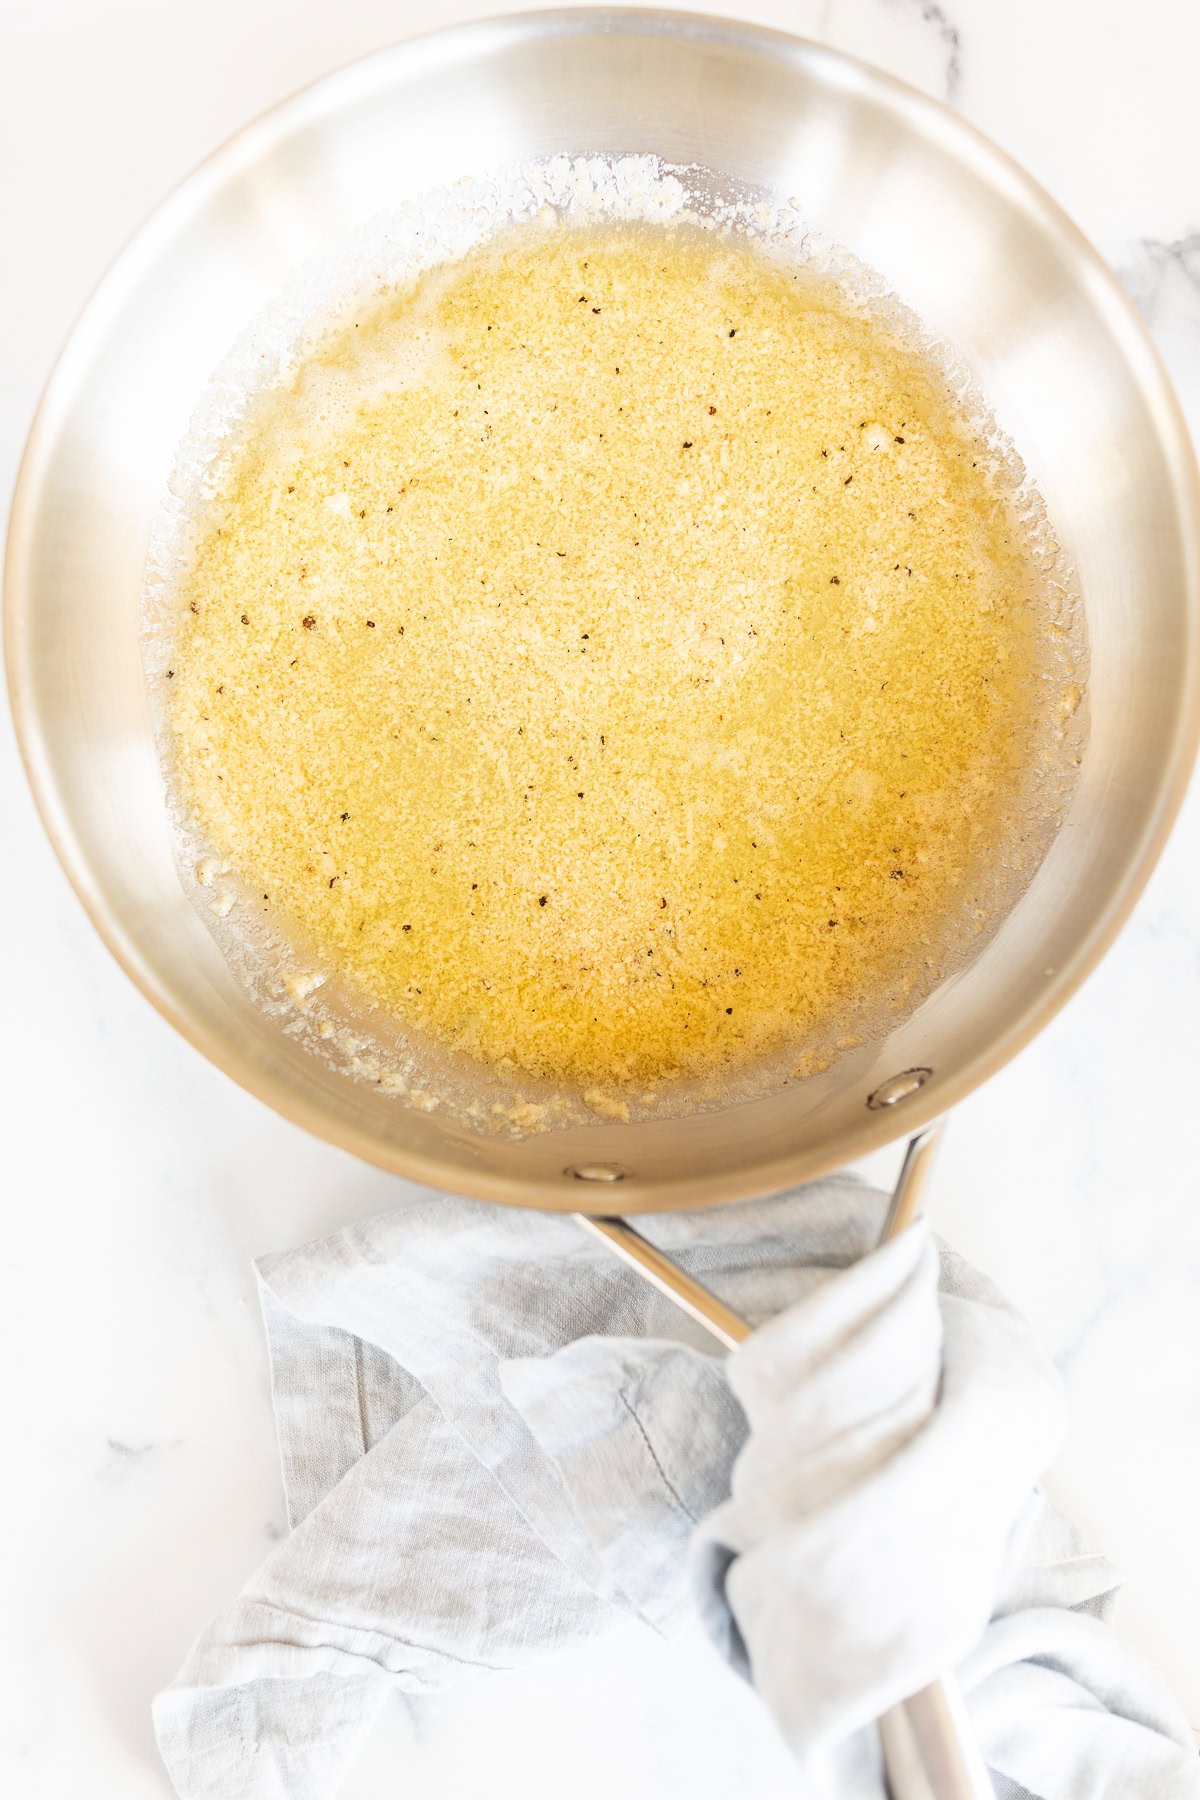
(531,756)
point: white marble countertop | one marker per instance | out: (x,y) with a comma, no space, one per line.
(140,1482)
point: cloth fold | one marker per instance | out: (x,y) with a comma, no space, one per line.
(892,1445)
(497,1442)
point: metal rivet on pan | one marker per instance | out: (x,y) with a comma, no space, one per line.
(899,1087)
(597,1172)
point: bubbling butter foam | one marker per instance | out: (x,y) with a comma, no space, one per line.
(617,659)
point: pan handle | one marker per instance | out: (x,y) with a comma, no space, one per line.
(929,1751)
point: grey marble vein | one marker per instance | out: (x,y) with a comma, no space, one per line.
(129,1452)
(937,18)
(1153,264)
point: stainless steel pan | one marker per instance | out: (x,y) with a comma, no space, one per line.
(963,236)
(960,233)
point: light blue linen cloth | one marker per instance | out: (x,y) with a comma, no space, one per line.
(497,1442)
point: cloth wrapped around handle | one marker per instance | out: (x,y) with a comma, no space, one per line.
(929,1752)
(884,1524)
